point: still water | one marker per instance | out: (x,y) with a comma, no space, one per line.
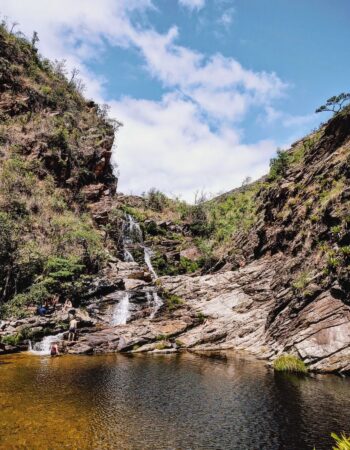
(165,402)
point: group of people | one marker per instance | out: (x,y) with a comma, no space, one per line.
(52,305)
(72,335)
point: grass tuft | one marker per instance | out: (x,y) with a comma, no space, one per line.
(343,442)
(289,363)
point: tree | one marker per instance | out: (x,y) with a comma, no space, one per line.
(335,104)
(35,39)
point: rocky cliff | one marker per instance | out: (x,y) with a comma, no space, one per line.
(263,269)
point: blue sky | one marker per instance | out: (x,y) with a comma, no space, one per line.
(206,90)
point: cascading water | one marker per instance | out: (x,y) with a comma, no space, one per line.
(132,234)
(128,256)
(157,303)
(43,347)
(147,256)
(121,311)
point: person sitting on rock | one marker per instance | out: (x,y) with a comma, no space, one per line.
(54,349)
(73,325)
(67,305)
(55,301)
(41,310)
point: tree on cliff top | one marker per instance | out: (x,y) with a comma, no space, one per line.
(335,104)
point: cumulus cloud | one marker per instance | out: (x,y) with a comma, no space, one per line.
(188,140)
(167,144)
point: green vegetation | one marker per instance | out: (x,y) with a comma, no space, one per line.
(156,200)
(173,302)
(201,317)
(11,340)
(48,244)
(289,363)
(161,346)
(278,165)
(301,281)
(342,441)
(335,104)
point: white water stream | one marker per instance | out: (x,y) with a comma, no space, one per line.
(43,347)
(121,313)
(132,234)
(147,256)
(157,303)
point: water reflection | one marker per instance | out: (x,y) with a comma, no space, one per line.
(165,402)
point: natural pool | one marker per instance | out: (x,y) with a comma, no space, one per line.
(165,402)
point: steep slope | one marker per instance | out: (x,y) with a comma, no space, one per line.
(55,150)
(292,293)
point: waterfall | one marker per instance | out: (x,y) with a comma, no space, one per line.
(121,311)
(43,347)
(133,232)
(147,256)
(133,235)
(128,256)
(157,303)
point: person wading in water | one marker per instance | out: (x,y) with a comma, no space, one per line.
(54,349)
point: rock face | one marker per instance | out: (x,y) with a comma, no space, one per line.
(290,291)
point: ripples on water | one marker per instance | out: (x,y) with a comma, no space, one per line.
(165,402)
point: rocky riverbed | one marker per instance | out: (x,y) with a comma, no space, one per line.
(226,310)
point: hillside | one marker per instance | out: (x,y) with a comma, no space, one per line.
(264,268)
(55,150)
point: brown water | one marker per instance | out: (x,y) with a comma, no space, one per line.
(165,402)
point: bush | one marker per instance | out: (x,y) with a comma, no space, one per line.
(173,302)
(278,165)
(14,339)
(156,200)
(187,265)
(201,317)
(289,363)
(301,281)
(64,268)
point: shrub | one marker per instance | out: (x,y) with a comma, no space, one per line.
(289,363)
(301,281)
(187,265)
(201,317)
(59,139)
(161,337)
(63,268)
(173,301)
(156,200)
(278,165)
(14,339)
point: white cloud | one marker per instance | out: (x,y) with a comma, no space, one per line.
(167,145)
(273,115)
(192,4)
(190,139)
